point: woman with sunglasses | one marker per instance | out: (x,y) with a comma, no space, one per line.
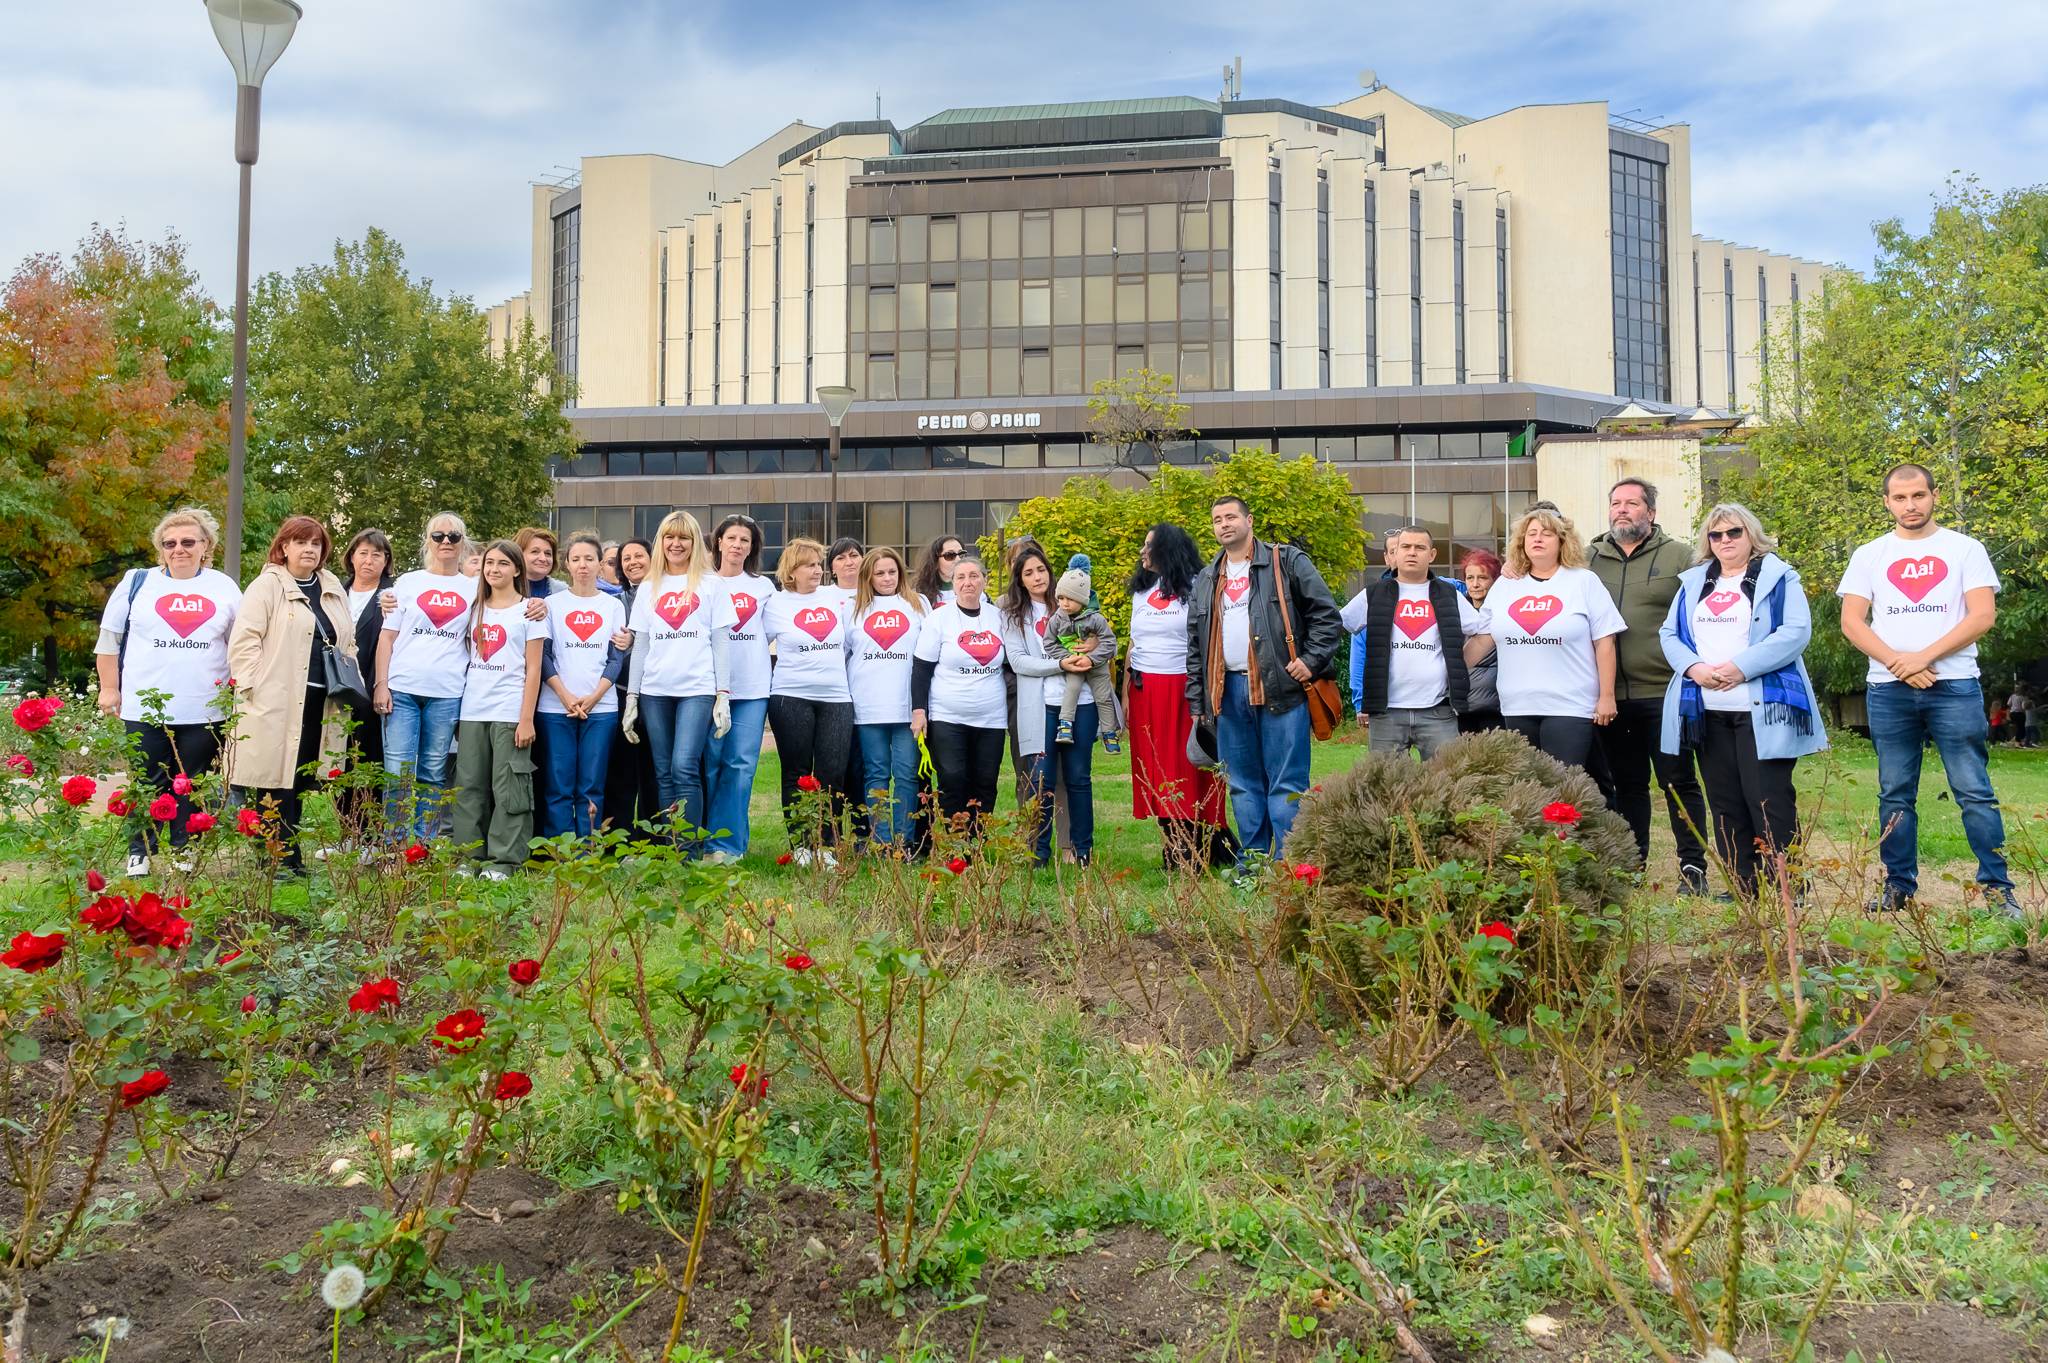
(935,570)
(681,677)
(734,756)
(166,629)
(1740,697)
(421,662)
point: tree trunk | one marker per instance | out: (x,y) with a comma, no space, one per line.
(49,660)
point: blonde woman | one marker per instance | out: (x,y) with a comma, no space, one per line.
(1553,626)
(887,615)
(679,625)
(166,630)
(421,662)
(809,708)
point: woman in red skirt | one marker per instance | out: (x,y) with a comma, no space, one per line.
(1165,785)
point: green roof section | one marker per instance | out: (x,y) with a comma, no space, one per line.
(1094,108)
(1446,117)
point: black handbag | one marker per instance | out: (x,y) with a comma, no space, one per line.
(344,678)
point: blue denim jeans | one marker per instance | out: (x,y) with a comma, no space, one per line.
(678,731)
(888,763)
(1071,765)
(1902,720)
(418,733)
(578,754)
(729,767)
(1265,758)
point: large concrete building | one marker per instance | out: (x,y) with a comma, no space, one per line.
(1394,288)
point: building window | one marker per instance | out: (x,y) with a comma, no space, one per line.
(1322,279)
(881,385)
(1500,284)
(1763,338)
(1372,286)
(1728,321)
(1699,373)
(564,289)
(689,311)
(775,311)
(746,302)
(1415,286)
(1458,284)
(1641,278)
(717,298)
(1273,268)
(661,343)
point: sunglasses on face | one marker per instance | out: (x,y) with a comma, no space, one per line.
(1732,533)
(950,554)
(445,536)
(182,544)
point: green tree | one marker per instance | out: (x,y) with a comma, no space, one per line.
(1138,414)
(1940,358)
(376,401)
(1297,501)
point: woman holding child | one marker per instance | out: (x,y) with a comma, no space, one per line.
(1054,755)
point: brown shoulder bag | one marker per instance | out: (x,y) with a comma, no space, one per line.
(1325,702)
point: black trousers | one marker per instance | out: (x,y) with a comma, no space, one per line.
(1566,737)
(168,751)
(812,738)
(290,800)
(1479,721)
(630,792)
(968,761)
(1633,747)
(360,807)
(1753,799)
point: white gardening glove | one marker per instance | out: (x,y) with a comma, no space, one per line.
(721,715)
(629,721)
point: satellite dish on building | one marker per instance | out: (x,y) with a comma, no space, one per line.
(1369,78)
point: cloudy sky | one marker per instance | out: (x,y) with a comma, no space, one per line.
(1811,118)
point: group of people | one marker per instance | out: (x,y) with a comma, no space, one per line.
(637,689)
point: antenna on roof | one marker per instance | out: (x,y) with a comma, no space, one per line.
(878,106)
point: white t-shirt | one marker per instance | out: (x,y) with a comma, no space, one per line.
(177,641)
(1720,630)
(677,623)
(1544,633)
(1159,633)
(1416,679)
(581,628)
(1915,589)
(746,652)
(967,687)
(427,654)
(879,673)
(357,600)
(809,634)
(1237,628)
(496,681)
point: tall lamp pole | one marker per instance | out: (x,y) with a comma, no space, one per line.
(837,398)
(253,34)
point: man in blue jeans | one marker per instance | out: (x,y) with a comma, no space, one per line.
(1240,676)
(1916,601)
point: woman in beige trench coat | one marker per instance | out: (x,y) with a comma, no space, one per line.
(288,732)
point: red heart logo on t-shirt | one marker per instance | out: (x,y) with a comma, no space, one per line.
(886,627)
(1234,588)
(441,606)
(1415,618)
(1041,625)
(1915,577)
(1158,599)
(744,604)
(184,611)
(979,645)
(489,639)
(675,607)
(1532,613)
(583,624)
(1719,602)
(817,622)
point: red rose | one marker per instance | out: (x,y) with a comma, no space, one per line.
(514,1085)
(1307,874)
(738,1075)
(807,783)
(200,822)
(21,762)
(785,859)
(375,995)
(523,971)
(78,789)
(231,956)
(31,953)
(797,961)
(958,865)
(248,1003)
(163,808)
(95,882)
(138,1091)
(1500,930)
(36,712)
(416,854)
(150,922)
(1558,812)
(118,806)
(334,773)
(249,822)
(105,913)
(459,1030)
(180,901)
(181,784)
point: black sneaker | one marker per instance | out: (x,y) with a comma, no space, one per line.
(1891,901)
(2005,903)
(1692,881)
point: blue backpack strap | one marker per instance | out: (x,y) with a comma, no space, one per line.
(136,577)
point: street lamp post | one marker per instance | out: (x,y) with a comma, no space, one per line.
(253,34)
(837,398)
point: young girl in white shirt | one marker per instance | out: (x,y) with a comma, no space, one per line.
(494,748)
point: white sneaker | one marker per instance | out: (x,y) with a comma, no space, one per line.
(138,867)
(802,856)
(495,873)
(830,862)
(184,864)
(719,858)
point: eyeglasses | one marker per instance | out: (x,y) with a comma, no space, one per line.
(1733,532)
(950,554)
(445,536)
(182,544)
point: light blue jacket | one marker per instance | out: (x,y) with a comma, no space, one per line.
(1768,651)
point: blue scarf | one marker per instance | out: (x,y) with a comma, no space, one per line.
(1785,698)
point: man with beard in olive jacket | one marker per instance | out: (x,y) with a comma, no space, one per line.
(1639,565)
